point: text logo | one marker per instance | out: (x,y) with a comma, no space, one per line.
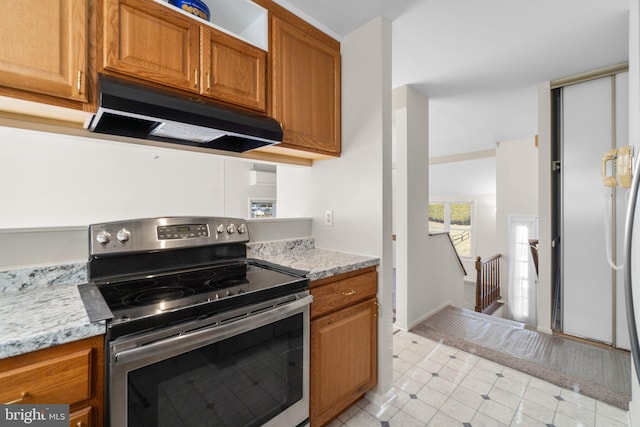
(34,415)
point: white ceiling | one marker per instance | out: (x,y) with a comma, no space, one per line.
(480,61)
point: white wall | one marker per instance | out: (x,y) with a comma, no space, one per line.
(544,209)
(428,274)
(294,191)
(357,186)
(54,180)
(516,192)
(463,177)
(52,186)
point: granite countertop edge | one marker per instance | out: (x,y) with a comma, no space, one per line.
(41,307)
(50,338)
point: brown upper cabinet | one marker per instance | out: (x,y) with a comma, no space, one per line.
(43,50)
(51,51)
(305,85)
(154,43)
(151,42)
(233,71)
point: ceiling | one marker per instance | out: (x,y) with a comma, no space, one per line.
(480,61)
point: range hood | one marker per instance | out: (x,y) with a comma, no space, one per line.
(127,109)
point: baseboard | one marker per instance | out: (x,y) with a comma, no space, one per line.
(429,314)
(547,331)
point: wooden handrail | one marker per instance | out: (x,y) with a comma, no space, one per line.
(488,284)
(533,246)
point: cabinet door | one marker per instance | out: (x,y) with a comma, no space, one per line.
(152,42)
(43,47)
(70,373)
(343,359)
(305,79)
(232,70)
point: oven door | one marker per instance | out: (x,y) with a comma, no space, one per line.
(245,367)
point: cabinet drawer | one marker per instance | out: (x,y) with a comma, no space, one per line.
(81,418)
(61,380)
(341,293)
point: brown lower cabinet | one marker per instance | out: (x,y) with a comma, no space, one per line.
(343,342)
(65,374)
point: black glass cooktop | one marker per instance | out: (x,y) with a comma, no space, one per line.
(196,292)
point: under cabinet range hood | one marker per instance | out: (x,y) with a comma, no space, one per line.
(136,111)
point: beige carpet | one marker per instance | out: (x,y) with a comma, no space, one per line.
(595,371)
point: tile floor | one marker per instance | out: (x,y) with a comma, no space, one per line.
(437,385)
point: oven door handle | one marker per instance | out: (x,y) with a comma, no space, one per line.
(182,343)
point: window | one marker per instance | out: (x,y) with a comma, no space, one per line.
(260,208)
(522,275)
(456,218)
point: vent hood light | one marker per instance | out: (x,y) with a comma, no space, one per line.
(185,132)
(131,110)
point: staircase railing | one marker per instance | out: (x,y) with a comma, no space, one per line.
(533,246)
(488,284)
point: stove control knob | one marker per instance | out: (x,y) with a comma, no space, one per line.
(242,228)
(220,229)
(231,229)
(123,235)
(103,237)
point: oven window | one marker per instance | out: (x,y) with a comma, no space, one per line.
(243,381)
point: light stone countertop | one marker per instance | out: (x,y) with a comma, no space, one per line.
(300,254)
(36,315)
(41,307)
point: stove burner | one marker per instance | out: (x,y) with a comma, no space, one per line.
(228,282)
(197,276)
(125,288)
(156,295)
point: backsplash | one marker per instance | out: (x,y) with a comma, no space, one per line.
(275,247)
(72,274)
(59,275)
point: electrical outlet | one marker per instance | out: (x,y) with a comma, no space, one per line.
(328,218)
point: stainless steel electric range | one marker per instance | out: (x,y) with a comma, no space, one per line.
(197,334)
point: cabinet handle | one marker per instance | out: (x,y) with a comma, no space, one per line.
(208,81)
(348,293)
(195,77)
(20,399)
(79,81)
(79,424)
